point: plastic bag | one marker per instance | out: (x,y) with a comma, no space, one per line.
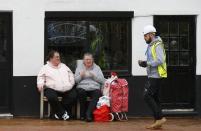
(108,82)
(103,114)
(104,100)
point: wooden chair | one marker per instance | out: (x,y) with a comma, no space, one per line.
(44,99)
(79,62)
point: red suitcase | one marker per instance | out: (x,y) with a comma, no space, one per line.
(119,98)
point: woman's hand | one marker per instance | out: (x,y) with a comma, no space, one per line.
(82,73)
(40,88)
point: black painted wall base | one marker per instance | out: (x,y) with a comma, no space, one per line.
(26,97)
(137,106)
(198,95)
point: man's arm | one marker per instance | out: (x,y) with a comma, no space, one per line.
(159,57)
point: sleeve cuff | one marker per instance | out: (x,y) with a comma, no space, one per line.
(148,64)
(39,85)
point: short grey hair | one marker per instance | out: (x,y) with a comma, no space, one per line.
(88,54)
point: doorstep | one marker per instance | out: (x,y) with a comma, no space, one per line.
(6,115)
(180,112)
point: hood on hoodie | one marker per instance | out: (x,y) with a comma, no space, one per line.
(56,67)
(157,38)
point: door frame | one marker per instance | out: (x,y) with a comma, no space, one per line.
(193,53)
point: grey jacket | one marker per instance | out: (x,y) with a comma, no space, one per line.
(151,64)
(89,82)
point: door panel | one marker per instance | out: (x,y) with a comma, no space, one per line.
(178,34)
(5,61)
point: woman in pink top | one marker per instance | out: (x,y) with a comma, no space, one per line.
(57,80)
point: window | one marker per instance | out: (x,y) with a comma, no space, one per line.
(107,37)
(4,34)
(176,34)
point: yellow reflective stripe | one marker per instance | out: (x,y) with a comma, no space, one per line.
(162,69)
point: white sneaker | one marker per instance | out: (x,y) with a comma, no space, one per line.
(56,117)
(65,116)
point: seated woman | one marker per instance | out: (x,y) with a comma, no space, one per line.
(89,79)
(57,80)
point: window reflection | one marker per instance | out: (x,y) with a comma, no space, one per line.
(173,58)
(176,37)
(174,44)
(184,58)
(184,43)
(107,40)
(66,32)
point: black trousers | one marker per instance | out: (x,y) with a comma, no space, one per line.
(68,100)
(151,96)
(86,111)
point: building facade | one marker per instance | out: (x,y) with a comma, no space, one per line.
(112,31)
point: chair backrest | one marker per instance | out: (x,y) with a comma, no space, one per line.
(79,63)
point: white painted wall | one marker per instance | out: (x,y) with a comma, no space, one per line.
(28,39)
(28,25)
(139,46)
(198,45)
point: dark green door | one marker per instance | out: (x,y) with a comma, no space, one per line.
(178,34)
(5,61)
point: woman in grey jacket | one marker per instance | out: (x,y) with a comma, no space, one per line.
(89,79)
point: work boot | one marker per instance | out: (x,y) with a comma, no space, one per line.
(158,124)
(152,127)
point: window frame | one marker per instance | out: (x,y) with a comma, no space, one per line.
(176,18)
(94,16)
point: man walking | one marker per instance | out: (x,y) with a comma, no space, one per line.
(156,72)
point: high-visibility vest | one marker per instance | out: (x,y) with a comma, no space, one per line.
(162,69)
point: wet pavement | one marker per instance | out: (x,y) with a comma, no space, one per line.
(134,124)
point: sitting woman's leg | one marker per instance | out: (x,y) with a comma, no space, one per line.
(95,95)
(54,103)
(82,95)
(69,100)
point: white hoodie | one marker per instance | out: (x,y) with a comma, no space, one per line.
(59,78)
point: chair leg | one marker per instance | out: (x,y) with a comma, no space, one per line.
(41,105)
(49,109)
(78,110)
(73,110)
